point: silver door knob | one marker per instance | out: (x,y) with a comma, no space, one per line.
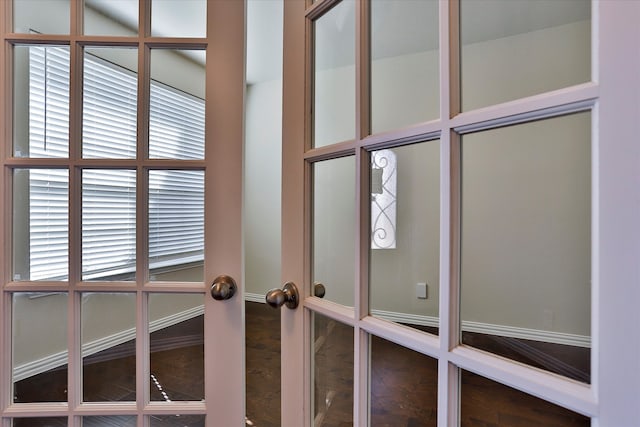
(288,296)
(223,288)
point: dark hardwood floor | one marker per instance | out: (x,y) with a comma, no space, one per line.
(403,382)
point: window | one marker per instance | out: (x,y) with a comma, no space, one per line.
(109,131)
(383,199)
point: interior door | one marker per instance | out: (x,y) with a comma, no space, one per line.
(121,237)
(446,177)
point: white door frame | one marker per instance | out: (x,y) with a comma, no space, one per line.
(613,97)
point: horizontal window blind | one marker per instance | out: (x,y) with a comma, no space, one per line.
(176,200)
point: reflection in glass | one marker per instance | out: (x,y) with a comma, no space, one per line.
(108,347)
(170,420)
(176,109)
(38,16)
(334,75)
(41,107)
(520,48)
(40,224)
(334,228)
(403,386)
(262,329)
(176,325)
(404,63)
(39,333)
(112,421)
(108,224)
(176,225)
(411,213)
(332,372)
(110,96)
(179,18)
(526,243)
(39,422)
(485,402)
(111,18)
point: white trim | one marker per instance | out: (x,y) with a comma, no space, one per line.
(253,297)
(55,360)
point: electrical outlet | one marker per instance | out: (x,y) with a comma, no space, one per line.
(421,290)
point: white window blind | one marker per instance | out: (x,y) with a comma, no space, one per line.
(176,235)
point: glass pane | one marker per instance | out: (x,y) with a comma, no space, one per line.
(40,224)
(41,107)
(405,65)
(520,48)
(39,422)
(176,110)
(488,403)
(262,339)
(108,224)
(110,96)
(334,228)
(526,243)
(111,17)
(404,386)
(179,18)
(176,225)
(112,421)
(177,420)
(108,347)
(334,112)
(39,347)
(41,16)
(332,382)
(405,235)
(176,325)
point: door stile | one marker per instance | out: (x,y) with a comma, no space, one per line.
(295,353)
(5,241)
(224,369)
(616,282)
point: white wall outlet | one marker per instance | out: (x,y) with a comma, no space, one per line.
(421,290)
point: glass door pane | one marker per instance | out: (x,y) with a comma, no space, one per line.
(526,243)
(334,228)
(404,256)
(490,403)
(334,75)
(520,48)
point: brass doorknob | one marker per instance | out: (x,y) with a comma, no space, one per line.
(288,296)
(223,288)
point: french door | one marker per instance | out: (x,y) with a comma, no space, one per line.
(121,187)
(458,178)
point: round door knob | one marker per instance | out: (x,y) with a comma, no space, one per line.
(319,290)
(223,288)
(288,296)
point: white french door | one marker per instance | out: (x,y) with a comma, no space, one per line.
(119,213)
(498,141)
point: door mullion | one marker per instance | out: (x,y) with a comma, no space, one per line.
(361,291)
(448,375)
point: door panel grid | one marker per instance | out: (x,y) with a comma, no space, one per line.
(449,129)
(160,300)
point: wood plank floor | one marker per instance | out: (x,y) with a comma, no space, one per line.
(403,382)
